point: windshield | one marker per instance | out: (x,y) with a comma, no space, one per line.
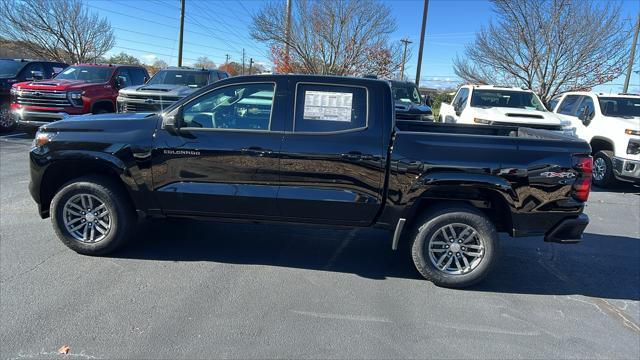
(86,73)
(406,93)
(10,68)
(506,98)
(194,79)
(620,106)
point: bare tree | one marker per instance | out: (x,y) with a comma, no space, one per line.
(328,37)
(549,46)
(205,63)
(63,30)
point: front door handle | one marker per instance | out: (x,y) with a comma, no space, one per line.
(256,151)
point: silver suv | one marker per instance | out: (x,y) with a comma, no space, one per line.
(166,87)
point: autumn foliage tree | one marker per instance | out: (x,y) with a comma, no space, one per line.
(549,46)
(337,37)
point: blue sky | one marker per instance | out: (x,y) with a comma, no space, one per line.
(148,30)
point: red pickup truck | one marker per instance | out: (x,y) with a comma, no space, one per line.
(79,89)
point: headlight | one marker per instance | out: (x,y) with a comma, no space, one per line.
(42,138)
(482,121)
(13,92)
(634,147)
(75,97)
(632,132)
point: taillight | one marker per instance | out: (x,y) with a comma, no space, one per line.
(582,185)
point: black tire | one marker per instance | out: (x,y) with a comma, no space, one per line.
(433,222)
(7,122)
(608,180)
(121,214)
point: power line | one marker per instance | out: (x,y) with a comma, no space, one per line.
(230,31)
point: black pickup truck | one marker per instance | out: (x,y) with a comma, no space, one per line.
(318,150)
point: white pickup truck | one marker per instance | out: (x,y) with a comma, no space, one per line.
(611,125)
(494,105)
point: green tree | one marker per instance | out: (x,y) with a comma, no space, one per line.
(123,58)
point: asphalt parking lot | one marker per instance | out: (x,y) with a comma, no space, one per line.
(186,289)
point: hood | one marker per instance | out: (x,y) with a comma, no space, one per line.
(632,123)
(168,90)
(114,122)
(516,115)
(53,84)
(411,107)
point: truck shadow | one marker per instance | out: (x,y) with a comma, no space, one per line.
(601,266)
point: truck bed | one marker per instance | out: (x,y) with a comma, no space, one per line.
(480,130)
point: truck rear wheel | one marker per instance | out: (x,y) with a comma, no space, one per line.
(603,169)
(454,247)
(92,215)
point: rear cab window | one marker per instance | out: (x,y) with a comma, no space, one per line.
(328,108)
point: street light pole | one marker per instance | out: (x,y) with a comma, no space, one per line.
(181,32)
(406,42)
(424,25)
(632,55)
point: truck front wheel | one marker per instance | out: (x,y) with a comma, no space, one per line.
(603,169)
(92,215)
(454,247)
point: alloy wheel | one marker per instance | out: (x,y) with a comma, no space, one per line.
(87,218)
(456,249)
(599,169)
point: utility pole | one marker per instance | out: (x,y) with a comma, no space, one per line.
(242,61)
(406,42)
(181,32)
(250,65)
(226,61)
(424,25)
(633,54)
(287,33)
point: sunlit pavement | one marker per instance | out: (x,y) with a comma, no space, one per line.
(186,289)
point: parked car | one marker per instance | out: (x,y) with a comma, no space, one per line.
(495,105)
(166,87)
(611,125)
(17,70)
(409,104)
(78,89)
(318,150)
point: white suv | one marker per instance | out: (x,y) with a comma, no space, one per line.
(494,105)
(611,124)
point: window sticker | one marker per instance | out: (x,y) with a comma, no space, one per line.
(329,106)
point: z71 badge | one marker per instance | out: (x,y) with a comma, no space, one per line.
(563,175)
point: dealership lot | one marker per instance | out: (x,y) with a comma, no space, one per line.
(201,290)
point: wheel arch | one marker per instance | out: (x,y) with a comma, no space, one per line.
(61,172)
(599,143)
(103,104)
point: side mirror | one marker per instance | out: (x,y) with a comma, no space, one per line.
(585,116)
(37,75)
(120,82)
(171,121)
(457,109)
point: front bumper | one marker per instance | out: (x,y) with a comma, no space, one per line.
(37,118)
(568,231)
(626,169)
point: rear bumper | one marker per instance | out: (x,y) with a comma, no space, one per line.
(626,170)
(568,231)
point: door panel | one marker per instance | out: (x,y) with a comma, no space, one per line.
(331,162)
(224,161)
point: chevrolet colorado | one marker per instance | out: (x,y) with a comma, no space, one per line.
(318,150)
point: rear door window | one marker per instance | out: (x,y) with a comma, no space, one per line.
(321,108)
(568,104)
(587,103)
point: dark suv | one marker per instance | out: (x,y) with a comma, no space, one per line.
(409,104)
(17,70)
(166,87)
